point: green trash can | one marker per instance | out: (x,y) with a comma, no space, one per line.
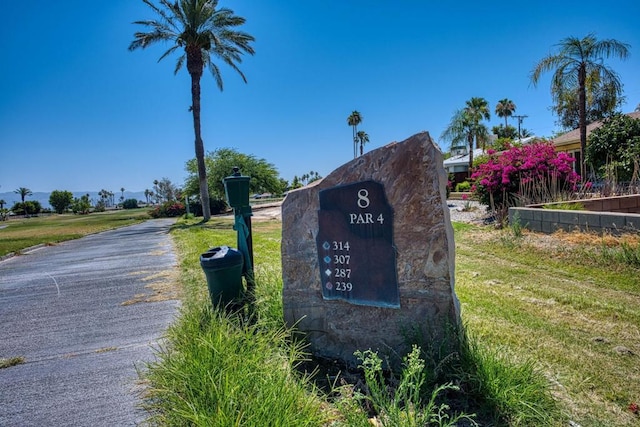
(222,266)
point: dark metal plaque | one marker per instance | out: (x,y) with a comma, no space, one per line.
(355,245)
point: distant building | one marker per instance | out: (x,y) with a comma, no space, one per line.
(458,165)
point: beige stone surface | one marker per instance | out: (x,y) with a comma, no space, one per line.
(414,181)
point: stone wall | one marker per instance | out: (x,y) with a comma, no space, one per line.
(551,220)
(626,204)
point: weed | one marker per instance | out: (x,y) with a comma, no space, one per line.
(12,361)
(625,253)
(512,236)
(566,206)
(403,405)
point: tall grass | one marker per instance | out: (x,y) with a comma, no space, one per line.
(218,369)
(625,253)
(564,306)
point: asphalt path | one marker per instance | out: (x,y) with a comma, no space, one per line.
(85,315)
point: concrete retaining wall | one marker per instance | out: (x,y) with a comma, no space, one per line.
(550,220)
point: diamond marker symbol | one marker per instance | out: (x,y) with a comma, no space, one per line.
(326,246)
(328,272)
(327,259)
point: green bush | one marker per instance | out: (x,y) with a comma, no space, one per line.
(463,186)
(101,206)
(217,206)
(30,207)
(130,204)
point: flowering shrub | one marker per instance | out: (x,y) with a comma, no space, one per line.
(530,174)
(168,209)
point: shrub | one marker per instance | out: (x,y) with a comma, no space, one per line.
(130,204)
(30,207)
(463,186)
(101,206)
(81,205)
(217,206)
(168,210)
(530,174)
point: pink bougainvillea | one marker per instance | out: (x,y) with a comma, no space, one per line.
(523,173)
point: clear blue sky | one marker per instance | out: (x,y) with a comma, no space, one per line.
(79,112)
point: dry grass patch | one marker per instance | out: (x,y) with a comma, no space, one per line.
(164,286)
(559,300)
(12,361)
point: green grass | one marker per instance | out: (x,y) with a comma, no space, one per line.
(19,234)
(551,335)
(220,369)
(217,369)
(569,307)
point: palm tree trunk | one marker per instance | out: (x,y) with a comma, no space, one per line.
(582,104)
(194,66)
(470,138)
(355,141)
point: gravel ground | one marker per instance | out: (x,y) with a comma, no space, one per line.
(458,213)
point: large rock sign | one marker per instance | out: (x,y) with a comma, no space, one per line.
(368,254)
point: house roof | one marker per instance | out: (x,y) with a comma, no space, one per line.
(462,159)
(574,135)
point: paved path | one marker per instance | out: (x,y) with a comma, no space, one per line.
(85,315)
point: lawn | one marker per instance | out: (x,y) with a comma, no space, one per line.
(18,234)
(556,316)
(566,302)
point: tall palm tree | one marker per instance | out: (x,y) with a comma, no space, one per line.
(505,108)
(476,110)
(577,62)
(205,32)
(23,192)
(2,203)
(466,127)
(354,120)
(363,138)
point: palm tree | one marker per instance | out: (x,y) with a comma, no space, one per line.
(205,32)
(505,108)
(2,203)
(465,126)
(354,120)
(23,192)
(577,62)
(363,138)
(476,110)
